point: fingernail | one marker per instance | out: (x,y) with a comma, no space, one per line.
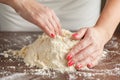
(75,35)
(69,57)
(79,66)
(89,65)
(52,35)
(70,63)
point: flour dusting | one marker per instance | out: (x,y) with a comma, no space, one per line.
(48,53)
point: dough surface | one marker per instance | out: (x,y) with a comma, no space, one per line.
(48,53)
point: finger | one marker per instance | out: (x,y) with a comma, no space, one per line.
(89,61)
(82,64)
(77,48)
(86,52)
(57,22)
(49,25)
(49,20)
(53,20)
(95,61)
(43,24)
(83,54)
(80,34)
(54,25)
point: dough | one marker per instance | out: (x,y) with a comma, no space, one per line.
(48,53)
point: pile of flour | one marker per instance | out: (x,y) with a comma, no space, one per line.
(46,52)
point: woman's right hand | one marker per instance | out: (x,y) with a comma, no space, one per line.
(38,14)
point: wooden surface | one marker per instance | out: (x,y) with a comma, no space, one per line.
(15,69)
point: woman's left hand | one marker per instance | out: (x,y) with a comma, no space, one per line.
(89,49)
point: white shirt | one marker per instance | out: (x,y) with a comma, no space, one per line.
(73,14)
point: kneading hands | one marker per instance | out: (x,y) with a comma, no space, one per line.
(89,49)
(92,40)
(38,14)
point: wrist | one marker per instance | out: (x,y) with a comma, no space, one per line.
(4,1)
(15,4)
(10,3)
(7,2)
(106,35)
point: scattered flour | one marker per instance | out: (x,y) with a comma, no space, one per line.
(71,76)
(89,75)
(15,76)
(48,53)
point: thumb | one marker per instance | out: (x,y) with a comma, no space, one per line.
(79,34)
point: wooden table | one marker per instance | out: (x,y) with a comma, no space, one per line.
(15,69)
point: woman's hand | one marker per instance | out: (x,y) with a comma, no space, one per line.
(38,14)
(89,49)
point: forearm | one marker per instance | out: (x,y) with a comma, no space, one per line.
(110,17)
(15,4)
(7,2)
(3,1)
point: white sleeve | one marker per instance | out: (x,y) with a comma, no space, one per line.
(73,14)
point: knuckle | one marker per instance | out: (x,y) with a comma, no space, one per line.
(92,57)
(90,38)
(76,59)
(85,52)
(86,61)
(82,55)
(38,16)
(95,46)
(73,50)
(37,20)
(89,30)
(52,10)
(80,45)
(48,12)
